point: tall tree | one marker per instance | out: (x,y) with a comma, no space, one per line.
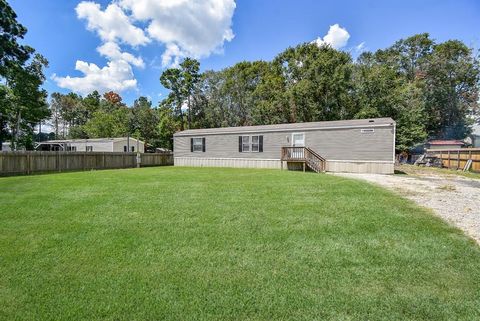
(143,120)
(28,104)
(68,114)
(318,81)
(167,126)
(108,124)
(181,82)
(22,101)
(452,89)
(11,52)
(190,73)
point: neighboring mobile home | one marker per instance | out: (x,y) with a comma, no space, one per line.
(120,144)
(361,145)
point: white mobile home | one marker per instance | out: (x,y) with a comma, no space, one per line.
(120,144)
(360,145)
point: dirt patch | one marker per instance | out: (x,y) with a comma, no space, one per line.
(454,198)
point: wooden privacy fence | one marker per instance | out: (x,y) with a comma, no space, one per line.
(457,158)
(15,163)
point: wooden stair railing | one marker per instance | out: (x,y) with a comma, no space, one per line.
(314,161)
(305,155)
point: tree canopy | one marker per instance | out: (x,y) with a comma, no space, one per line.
(430,89)
(23,103)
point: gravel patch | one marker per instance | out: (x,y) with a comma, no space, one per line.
(455,199)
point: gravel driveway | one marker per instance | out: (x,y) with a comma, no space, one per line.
(454,198)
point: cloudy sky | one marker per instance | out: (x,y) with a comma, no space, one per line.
(123,45)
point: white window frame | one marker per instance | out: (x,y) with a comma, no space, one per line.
(293,139)
(89,148)
(196,144)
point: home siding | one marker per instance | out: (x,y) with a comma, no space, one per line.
(119,144)
(333,144)
(97,146)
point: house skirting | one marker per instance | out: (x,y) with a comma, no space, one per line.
(353,166)
(349,166)
(227,162)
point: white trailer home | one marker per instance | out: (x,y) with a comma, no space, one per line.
(120,144)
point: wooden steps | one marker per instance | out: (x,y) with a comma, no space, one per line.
(304,155)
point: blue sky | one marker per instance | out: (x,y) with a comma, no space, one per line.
(218,32)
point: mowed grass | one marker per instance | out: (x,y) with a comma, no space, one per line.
(422,170)
(226,244)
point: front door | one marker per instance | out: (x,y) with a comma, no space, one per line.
(298,140)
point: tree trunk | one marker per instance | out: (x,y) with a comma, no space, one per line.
(189,115)
(17,130)
(179,106)
(56,125)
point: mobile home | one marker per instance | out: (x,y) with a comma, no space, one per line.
(360,146)
(119,144)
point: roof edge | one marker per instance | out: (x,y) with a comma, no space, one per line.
(256,129)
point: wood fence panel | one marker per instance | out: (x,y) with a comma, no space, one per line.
(457,158)
(156,159)
(17,163)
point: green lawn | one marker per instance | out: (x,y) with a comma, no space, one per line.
(226,244)
(422,170)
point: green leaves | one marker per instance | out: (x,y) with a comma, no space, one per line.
(11,52)
(23,101)
(182,81)
(429,89)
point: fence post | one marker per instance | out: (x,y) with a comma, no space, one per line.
(27,163)
(103,160)
(139,160)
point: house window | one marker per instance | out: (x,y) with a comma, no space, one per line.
(255,144)
(197,144)
(125,148)
(245,144)
(71,148)
(250,144)
(132,148)
(89,148)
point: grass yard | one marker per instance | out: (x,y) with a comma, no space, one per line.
(226,244)
(422,170)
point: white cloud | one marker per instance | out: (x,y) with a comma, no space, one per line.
(117,75)
(172,55)
(194,28)
(112,24)
(337,37)
(112,51)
